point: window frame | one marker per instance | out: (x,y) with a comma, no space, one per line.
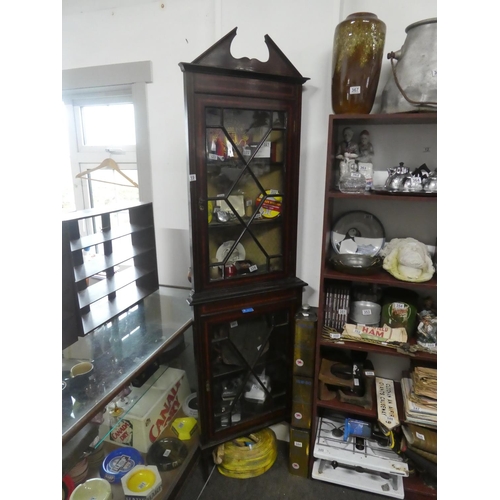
(114,80)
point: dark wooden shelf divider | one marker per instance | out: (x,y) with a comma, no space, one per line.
(123,271)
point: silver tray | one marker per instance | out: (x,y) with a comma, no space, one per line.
(403,193)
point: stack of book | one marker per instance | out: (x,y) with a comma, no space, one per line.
(337,306)
(419,390)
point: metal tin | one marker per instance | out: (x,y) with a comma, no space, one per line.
(305,326)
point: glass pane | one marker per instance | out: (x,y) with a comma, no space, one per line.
(250,364)
(110,124)
(114,188)
(245,162)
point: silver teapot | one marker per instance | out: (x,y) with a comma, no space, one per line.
(429,184)
(397,177)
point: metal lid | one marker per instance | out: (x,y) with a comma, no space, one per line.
(419,23)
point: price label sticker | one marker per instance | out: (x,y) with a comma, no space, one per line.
(355,90)
(398,305)
(253,268)
(420,436)
(367,312)
(233,324)
(369,374)
(356,381)
(211,156)
(342,312)
(298,444)
(192,177)
(335,335)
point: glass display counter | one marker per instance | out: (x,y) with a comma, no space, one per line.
(119,352)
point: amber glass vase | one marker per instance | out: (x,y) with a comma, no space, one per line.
(357,58)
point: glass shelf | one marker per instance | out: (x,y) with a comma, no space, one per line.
(120,350)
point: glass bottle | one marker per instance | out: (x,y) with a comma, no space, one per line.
(352,181)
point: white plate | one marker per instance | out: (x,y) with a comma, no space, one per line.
(223,250)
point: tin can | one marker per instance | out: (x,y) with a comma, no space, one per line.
(230,270)
(305,335)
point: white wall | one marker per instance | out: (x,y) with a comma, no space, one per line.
(97,32)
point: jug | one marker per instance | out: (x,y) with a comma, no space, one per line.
(397,177)
(412,84)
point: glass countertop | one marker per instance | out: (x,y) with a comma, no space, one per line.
(119,350)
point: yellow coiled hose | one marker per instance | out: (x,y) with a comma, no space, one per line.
(246,457)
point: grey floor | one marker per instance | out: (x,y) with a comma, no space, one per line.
(276,483)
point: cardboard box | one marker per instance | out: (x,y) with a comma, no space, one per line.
(143,424)
(299,452)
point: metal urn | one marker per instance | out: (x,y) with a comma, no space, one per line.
(412,84)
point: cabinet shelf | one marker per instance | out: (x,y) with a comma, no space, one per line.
(105,287)
(382,278)
(225,371)
(423,117)
(365,347)
(369,413)
(246,220)
(350,409)
(333,193)
(102,263)
(106,235)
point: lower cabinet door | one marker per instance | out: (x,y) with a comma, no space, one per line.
(248,372)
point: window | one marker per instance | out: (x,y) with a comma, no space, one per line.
(107,136)
(101,128)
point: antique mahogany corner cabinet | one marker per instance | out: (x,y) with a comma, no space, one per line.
(243,130)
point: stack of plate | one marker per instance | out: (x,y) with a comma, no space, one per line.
(79,472)
(96,457)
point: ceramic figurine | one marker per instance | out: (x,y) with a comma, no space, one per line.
(365,148)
